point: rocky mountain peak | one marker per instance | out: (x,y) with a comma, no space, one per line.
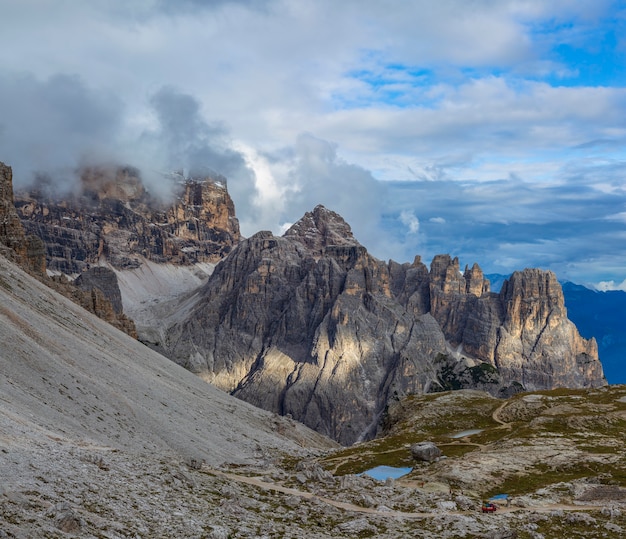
(475,282)
(116,183)
(113,216)
(310,324)
(320,229)
(97,292)
(530,286)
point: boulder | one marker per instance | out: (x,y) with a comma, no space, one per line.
(425,452)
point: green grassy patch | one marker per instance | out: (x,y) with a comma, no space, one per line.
(457,450)
(542,476)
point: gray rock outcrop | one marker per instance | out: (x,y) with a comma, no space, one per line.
(310,324)
(425,452)
(112,214)
(104,280)
(299,326)
(523,331)
(28,250)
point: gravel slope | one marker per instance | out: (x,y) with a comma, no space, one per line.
(68,376)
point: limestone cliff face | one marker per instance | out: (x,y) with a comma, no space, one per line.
(96,290)
(11,231)
(104,280)
(302,326)
(112,215)
(29,250)
(535,332)
(309,324)
(523,331)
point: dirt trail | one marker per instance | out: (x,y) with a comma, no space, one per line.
(496,416)
(346,506)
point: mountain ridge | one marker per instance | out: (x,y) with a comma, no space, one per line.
(101,437)
(301,326)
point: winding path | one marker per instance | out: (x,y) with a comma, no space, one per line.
(496,416)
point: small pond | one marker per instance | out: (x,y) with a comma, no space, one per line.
(465,433)
(382,473)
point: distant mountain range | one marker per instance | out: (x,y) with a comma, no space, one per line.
(596,314)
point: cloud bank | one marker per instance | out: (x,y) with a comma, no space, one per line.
(492,130)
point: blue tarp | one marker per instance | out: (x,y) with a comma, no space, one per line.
(499,497)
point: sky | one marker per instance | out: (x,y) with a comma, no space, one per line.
(491,130)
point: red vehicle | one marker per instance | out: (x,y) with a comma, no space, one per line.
(489,507)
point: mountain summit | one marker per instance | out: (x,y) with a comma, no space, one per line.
(112,215)
(321,228)
(311,325)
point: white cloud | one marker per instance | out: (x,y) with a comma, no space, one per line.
(497,135)
(271,192)
(621,216)
(605,286)
(410,221)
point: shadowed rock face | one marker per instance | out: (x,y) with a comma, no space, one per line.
(301,327)
(99,293)
(113,215)
(29,250)
(11,231)
(104,280)
(523,331)
(309,324)
(536,333)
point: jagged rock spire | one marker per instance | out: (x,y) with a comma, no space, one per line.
(321,228)
(30,250)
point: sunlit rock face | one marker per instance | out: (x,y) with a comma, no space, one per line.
(536,333)
(523,331)
(97,295)
(309,324)
(111,214)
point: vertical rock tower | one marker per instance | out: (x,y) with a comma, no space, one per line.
(29,250)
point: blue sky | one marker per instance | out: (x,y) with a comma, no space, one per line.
(493,130)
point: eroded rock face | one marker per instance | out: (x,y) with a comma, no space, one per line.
(11,231)
(29,250)
(301,326)
(309,324)
(104,280)
(112,215)
(536,333)
(523,331)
